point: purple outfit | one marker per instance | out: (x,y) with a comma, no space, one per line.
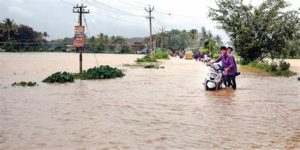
(228,62)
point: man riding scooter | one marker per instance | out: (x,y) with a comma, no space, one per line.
(229,66)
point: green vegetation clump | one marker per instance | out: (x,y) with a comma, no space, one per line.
(161,55)
(147,58)
(278,69)
(153,57)
(59,77)
(23,83)
(101,72)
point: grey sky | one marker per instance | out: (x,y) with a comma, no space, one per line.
(125,17)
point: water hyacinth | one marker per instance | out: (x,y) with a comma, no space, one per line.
(59,77)
(100,72)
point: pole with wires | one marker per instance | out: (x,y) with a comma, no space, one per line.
(80,10)
(150,10)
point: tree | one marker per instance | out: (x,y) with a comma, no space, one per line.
(92,42)
(218,40)
(26,35)
(203,36)
(9,26)
(45,35)
(257,32)
(211,45)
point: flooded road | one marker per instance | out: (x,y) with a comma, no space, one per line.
(147,109)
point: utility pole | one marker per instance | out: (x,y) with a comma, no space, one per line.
(149,10)
(162,38)
(80,10)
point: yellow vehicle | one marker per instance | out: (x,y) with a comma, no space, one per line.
(189,55)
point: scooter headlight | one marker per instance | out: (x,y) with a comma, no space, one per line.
(211,85)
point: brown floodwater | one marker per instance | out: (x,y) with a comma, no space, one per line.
(146,109)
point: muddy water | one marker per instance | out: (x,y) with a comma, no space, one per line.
(147,109)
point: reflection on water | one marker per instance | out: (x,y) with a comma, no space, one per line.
(147,109)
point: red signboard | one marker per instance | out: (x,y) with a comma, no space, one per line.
(79,36)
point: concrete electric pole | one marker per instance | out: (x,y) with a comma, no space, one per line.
(80,10)
(149,10)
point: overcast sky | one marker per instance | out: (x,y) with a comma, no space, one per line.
(114,17)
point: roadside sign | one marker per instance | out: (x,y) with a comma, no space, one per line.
(79,36)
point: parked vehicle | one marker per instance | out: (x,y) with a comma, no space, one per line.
(189,55)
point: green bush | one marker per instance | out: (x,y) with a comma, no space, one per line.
(60,77)
(280,70)
(216,55)
(271,67)
(284,66)
(101,72)
(147,58)
(204,51)
(161,54)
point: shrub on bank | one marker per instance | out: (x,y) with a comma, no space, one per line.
(279,69)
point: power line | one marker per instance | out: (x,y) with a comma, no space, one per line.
(131,4)
(117,10)
(87,28)
(112,14)
(117,18)
(65,2)
(88,32)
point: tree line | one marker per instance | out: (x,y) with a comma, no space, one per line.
(19,37)
(15,37)
(269,30)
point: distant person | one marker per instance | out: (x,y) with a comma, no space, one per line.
(206,58)
(199,56)
(229,66)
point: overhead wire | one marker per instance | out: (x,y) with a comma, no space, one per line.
(131,4)
(122,12)
(88,33)
(111,14)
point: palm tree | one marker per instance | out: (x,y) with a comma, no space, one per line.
(45,35)
(9,26)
